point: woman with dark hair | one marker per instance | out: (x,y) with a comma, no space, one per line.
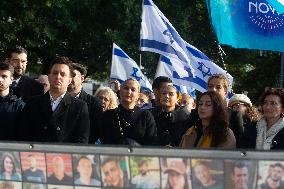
(8,168)
(177,176)
(128,124)
(211,130)
(170,118)
(268,133)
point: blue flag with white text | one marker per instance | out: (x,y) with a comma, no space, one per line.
(158,35)
(123,67)
(251,24)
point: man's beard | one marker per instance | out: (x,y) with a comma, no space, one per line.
(17,75)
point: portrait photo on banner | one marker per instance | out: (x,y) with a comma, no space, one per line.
(175,173)
(10,168)
(33,167)
(10,185)
(207,173)
(145,172)
(270,174)
(86,170)
(51,186)
(59,169)
(240,174)
(115,171)
(30,185)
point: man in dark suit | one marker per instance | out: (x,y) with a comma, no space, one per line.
(94,106)
(56,116)
(23,86)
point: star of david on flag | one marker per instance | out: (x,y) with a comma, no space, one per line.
(123,67)
(180,75)
(158,35)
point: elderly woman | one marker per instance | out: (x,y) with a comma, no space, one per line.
(107,97)
(269,132)
(128,124)
(212,129)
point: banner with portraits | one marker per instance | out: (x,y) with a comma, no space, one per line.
(40,166)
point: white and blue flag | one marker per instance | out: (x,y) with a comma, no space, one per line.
(123,67)
(180,75)
(158,35)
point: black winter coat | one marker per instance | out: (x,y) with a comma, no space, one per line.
(120,124)
(170,125)
(95,112)
(27,88)
(69,123)
(10,108)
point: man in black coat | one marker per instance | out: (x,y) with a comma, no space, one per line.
(56,116)
(10,106)
(94,106)
(23,86)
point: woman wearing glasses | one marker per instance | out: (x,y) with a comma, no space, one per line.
(249,113)
(269,132)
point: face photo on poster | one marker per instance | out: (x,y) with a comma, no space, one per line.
(115,171)
(33,167)
(31,185)
(10,185)
(145,172)
(176,173)
(86,170)
(207,173)
(51,186)
(240,174)
(59,168)
(270,174)
(10,168)
(87,187)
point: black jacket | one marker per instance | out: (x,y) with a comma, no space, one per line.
(69,123)
(27,88)
(170,125)
(120,124)
(250,134)
(10,108)
(95,112)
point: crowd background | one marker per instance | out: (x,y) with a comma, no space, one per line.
(85,31)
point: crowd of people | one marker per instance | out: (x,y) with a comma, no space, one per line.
(54,108)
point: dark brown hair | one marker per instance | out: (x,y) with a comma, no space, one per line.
(219,121)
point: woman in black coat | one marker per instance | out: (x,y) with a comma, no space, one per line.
(128,124)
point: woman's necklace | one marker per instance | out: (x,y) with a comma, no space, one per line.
(122,123)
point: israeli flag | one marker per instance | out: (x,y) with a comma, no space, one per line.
(123,68)
(158,35)
(181,75)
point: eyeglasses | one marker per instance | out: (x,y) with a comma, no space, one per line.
(237,105)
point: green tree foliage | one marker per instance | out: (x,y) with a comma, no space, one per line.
(84,30)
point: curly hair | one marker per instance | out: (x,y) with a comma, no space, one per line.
(252,114)
(219,123)
(222,77)
(110,93)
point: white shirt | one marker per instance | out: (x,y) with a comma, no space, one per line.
(55,103)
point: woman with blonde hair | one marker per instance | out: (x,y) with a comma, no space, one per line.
(107,97)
